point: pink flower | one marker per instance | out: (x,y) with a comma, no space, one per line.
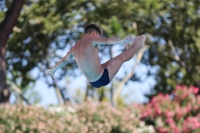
(170,114)
(184,110)
(154,100)
(195,107)
(179,114)
(162,130)
(178,87)
(144,114)
(198,99)
(191,123)
(197,125)
(195,90)
(189,108)
(157,110)
(176,130)
(169,120)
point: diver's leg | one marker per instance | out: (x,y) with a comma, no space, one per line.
(114,64)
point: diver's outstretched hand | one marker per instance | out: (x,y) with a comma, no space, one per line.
(127,41)
(50,72)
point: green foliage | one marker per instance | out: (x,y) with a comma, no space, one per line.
(114,28)
(88,117)
(175,113)
(1,16)
(172,27)
(43,27)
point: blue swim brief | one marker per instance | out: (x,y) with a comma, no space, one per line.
(103,80)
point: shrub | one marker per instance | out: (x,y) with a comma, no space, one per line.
(104,118)
(86,118)
(175,113)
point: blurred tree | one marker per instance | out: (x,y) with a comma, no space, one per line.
(6,27)
(175,41)
(45,27)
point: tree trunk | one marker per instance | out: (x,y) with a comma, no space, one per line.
(58,93)
(4,91)
(87,92)
(19,92)
(102,95)
(5,30)
(111,88)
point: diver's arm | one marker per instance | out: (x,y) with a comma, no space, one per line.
(112,41)
(61,63)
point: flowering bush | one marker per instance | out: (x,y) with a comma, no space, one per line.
(86,118)
(31,119)
(176,113)
(105,118)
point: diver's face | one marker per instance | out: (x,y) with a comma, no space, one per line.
(95,34)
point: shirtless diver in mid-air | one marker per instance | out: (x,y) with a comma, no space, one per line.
(85,52)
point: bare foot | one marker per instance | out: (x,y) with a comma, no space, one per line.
(142,40)
(138,42)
